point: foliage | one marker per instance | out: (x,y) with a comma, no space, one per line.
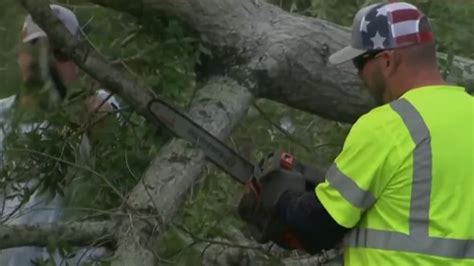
(10,26)
(94,182)
(451,23)
(162,53)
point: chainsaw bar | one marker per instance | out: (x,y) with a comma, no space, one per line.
(215,150)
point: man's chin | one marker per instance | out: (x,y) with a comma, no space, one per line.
(33,82)
(379,99)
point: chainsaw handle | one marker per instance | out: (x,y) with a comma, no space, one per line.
(270,227)
(281,160)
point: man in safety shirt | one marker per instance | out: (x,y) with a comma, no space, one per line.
(401,192)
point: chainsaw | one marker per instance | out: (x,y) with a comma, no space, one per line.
(231,162)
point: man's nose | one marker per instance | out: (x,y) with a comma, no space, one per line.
(26,64)
(30,69)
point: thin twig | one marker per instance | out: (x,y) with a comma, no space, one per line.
(110,212)
(136,56)
(160,221)
(107,114)
(204,251)
(216,242)
(19,206)
(284,132)
(99,242)
(4,199)
(103,102)
(73,165)
(83,34)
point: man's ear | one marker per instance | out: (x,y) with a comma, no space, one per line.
(391,61)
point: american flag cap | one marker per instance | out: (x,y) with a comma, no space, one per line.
(385,26)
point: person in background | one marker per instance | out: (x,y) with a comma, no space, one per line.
(47,76)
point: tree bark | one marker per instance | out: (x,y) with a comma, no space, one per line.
(277,55)
(119,82)
(218,107)
(75,234)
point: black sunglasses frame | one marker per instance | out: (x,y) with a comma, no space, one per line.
(360,61)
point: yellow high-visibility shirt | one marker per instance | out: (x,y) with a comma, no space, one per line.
(404,181)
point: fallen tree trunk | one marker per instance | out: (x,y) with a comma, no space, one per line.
(78,234)
(219,106)
(277,55)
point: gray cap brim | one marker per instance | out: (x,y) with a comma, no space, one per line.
(33,36)
(345,55)
(31,30)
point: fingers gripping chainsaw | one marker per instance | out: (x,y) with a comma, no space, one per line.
(239,168)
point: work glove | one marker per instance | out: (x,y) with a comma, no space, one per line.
(279,173)
(259,210)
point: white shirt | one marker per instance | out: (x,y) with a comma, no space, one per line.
(40,208)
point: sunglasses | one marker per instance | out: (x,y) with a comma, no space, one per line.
(360,61)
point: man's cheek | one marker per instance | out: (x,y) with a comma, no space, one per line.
(30,70)
(26,65)
(366,84)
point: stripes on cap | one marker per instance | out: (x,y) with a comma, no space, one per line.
(392,25)
(408,24)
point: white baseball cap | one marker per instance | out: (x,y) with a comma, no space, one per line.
(31,30)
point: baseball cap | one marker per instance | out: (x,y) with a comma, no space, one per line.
(385,26)
(31,30)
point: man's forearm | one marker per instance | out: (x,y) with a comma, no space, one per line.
(310,221)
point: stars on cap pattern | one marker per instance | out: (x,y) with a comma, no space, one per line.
(375,29)
(382,11)
(364,25)
(378,41)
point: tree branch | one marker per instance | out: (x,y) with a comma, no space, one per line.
(218,106)
(76,234)
(85,56)
(277,55)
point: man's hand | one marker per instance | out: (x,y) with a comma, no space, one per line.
(259,202)
(264,223)
(276,182)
